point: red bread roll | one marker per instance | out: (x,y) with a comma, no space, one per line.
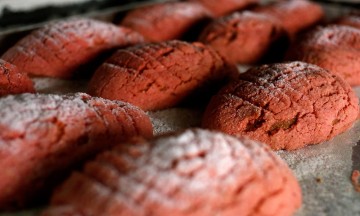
(352,20)
(12,81)
(43,137)
(166,21)
(223,7)
(244,37)
(294,15)
(191,173)
(60,48)
(335,48)
(285,105)
(159,75)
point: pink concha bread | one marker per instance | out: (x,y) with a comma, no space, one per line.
(245,37)
(58,49)
(192,173)
(166,21)
(294,15)
(352,20)
(160,75)
(335,48)
(43,137)
(285,105)
(224,7)
(13,81)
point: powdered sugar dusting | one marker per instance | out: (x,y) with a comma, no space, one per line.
(174,119)
(59,86)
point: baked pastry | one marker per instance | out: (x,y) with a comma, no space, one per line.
(42,137)
(224,7)
(295,15)
(335,48)
(12,81)
(352,20)
(60,48)
(195,172)
(159,75)
(285,105)
(166,21)
(244,37)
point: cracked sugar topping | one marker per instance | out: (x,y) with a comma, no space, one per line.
(194,172)
(12,81)
(58,49)
(335,48)
(43,137)
(159,75)
(286,105)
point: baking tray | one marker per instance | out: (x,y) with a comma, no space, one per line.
(322,170)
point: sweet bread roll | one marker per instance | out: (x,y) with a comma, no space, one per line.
(59,49)
(335,48)
(194,172)
(12,81)
(285,105)
(294,15)
(43,137)
(246,37)
(166,21)
(224,7)
(160,75)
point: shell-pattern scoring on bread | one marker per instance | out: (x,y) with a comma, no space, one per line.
(194,172)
